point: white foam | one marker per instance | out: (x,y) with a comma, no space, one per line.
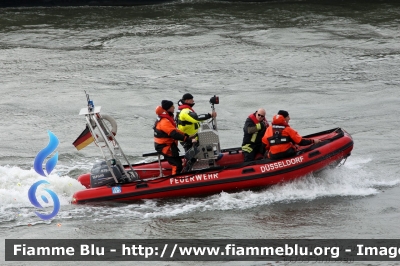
(351,179)
(358,162)
(15,183)
(348,180)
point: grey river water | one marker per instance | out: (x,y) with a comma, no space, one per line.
(329,63)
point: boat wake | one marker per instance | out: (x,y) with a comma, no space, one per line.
(349,180)
(15,206)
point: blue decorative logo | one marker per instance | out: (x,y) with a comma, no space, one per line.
(38,166)
(51,163)
(32,198)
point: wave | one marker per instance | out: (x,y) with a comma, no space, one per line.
(15,182)
(350,180)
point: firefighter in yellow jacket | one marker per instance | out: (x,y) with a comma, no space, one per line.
(187,119)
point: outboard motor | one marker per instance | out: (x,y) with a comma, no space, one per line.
(101,175)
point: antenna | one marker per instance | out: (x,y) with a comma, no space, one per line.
(90,102)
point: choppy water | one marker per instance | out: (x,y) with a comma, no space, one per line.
(328,64)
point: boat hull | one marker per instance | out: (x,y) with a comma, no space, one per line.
(232,174)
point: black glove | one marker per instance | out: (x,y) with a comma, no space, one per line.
(188,140)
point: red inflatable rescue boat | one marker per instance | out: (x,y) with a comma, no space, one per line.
(213,170)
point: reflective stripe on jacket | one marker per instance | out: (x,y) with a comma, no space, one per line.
(165,132)
(295,138)
(253,131)
(188,121)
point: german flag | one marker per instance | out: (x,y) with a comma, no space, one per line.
(84,139)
